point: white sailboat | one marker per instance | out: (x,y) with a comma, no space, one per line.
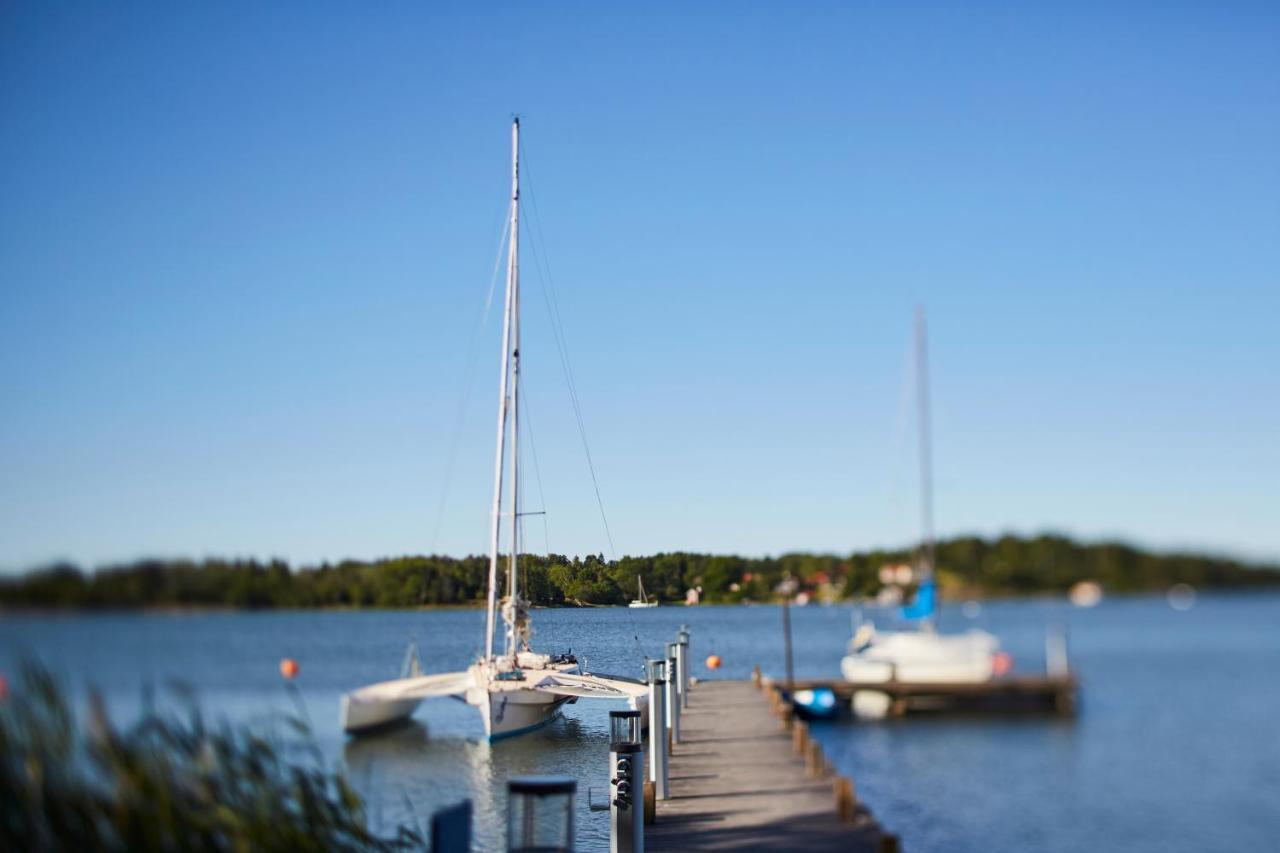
(642,600)
(517,690)
(921,654)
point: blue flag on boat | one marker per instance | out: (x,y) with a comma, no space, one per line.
(925,603)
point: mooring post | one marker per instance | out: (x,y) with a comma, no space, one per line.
(673,698)
(540,813)
(626,785)
(846,802)
(1056,662)
(656,670)
(682,663)
(800,737)
(451,829)
(817,762)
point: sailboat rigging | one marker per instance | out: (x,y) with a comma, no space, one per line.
(642,600)
(919,654)
(517,690)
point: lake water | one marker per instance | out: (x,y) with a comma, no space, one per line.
(1177,746)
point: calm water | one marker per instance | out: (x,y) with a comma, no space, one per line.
(1177,746)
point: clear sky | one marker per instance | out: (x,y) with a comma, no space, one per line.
(245,248)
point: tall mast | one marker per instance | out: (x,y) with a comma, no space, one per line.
(926,448)
(513,615)
(503,399)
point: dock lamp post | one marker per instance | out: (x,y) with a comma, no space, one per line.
(626,783)
(656,675)
(673,699)
(682,663)
(540,814)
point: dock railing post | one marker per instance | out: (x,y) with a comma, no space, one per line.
(673,699)
(1056,662)
(656,671)
(626,783)
(682,663)
(540,813)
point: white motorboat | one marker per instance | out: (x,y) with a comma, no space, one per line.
(921,653)
(643,600)
(517,690)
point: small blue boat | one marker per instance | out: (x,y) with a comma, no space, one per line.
(816,704)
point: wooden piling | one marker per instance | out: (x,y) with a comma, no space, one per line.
(816,762)
(846,800)
(800,737)
(650,801)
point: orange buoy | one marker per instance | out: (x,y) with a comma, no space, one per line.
(289,668)
(713,662)
(1002,663)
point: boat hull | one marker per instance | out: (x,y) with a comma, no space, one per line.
(510,712)
(362,716)
(921,657)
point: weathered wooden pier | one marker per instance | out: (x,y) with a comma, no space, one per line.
(746,775)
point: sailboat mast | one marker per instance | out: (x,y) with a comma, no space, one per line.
(496,520)
(513,283)
(926,443)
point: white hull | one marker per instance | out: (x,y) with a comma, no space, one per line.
(507,713)
(643,604)
(923,657)
(394,701)
(360,716)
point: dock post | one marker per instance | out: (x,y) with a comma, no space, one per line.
(673,698)
(626,769)
(800,737)
(451,829)
(657,677)
(817,762)
(846,802)
(1056,663)
(540,813)
(682,663)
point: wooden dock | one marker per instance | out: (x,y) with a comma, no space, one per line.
(1052,694)
(745,775)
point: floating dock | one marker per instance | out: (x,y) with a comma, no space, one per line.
(746,776)
(1045,694)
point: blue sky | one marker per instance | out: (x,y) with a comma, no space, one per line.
(244,252)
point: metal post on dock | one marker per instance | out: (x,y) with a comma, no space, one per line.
(1055,652)
(673,699)
(656,672)
(626,783)
(540,813)
(787,589)
(682,642)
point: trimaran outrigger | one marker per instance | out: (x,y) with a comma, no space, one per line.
(518,690)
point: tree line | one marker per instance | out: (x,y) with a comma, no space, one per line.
(1008,565)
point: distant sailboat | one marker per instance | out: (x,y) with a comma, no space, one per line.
(518,690)
(921,654)
(643,600)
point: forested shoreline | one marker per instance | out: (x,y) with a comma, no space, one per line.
(1008,565)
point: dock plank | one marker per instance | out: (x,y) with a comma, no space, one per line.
(737,783)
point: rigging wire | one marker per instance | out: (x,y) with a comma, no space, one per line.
(537,470)
(473,352)
(557,328)
(898,448)
(542,266)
